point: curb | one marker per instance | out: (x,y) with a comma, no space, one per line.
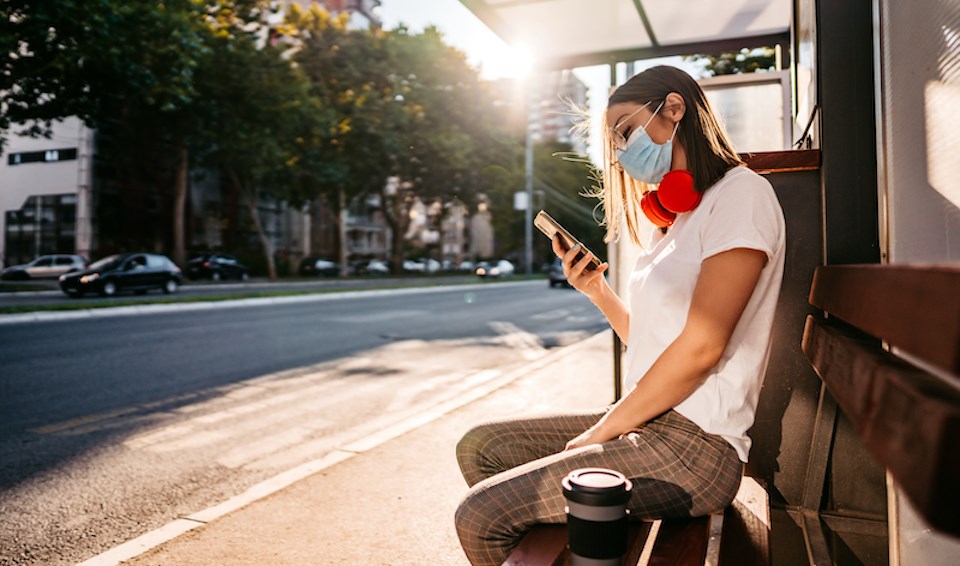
(84,314)
(148,541)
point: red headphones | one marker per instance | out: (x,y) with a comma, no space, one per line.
(675,194)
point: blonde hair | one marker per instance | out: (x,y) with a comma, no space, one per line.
(709,151)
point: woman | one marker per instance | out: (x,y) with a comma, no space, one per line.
(697,324)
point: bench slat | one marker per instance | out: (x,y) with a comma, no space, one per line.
(546,545)
(914,308)
(746,527)
(908,419)
(681,542)
(765,162)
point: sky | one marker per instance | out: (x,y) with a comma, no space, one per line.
(491,55)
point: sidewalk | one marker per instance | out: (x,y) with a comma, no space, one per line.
(394,503)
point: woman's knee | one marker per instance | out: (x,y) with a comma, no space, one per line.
(473,453)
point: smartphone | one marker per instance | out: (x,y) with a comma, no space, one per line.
(551,228)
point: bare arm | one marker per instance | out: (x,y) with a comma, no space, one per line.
(595,287)
(726,282)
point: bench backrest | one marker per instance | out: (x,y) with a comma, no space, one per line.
(907,416)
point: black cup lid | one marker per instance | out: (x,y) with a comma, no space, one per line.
(597,486)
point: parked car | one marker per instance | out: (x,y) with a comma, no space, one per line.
(45,266)
(411,266)
(502,268)
(371,267)
(555,274)
(310,266)
(217,267)
(113,274)
(425,265)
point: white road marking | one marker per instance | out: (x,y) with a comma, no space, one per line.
(551,314)
(374,316)
(528,344)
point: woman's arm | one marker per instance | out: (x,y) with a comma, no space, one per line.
(595,287)
(724,287)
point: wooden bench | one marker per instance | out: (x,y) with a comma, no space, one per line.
(737,537)
(902,406)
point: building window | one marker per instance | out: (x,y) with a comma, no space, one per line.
(51,217)
(46,156)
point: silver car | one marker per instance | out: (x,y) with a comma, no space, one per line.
(44,267)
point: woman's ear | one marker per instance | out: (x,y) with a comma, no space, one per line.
(674,107)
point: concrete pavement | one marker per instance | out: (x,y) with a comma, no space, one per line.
(388,499)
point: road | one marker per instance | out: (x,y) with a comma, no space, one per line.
(115,426)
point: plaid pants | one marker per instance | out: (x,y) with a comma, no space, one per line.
(515,468)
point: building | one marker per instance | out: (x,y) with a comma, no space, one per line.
(552,102)
(558,97)
(45,204)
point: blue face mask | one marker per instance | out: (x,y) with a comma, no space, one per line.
(645,160)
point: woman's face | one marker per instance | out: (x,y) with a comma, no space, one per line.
(626,117)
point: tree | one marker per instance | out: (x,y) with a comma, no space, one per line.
(128,67)
(408,106)
(68,58)
(261,119)
(735,62)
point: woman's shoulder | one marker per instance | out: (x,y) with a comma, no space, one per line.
(743,176)
(741,182)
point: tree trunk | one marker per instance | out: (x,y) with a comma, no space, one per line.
(393,213)
(180,188)
(251,200)
(342,226)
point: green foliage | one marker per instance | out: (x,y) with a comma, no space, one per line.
(736,62)
(305,109)
(407,106)
(74,57)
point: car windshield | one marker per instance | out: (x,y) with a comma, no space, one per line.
(106,263)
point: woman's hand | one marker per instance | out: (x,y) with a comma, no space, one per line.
(593,435)
(589,282)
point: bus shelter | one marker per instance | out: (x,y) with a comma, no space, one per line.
(872,179)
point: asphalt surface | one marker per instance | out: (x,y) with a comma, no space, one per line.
(113,426)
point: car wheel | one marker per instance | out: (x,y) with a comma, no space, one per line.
(215,276)
(244,276)
(109,289)
(170,286)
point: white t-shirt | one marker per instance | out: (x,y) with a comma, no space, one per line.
(739,211)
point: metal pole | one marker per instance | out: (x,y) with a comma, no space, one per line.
(614,274)
(528,210)
(36,226)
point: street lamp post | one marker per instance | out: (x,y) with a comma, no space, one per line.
(528,175)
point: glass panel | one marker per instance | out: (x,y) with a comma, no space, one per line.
(752,114)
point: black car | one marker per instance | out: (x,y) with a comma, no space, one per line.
(138,272)
(556,275)
(217,267)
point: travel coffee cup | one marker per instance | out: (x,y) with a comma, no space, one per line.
(596,516)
